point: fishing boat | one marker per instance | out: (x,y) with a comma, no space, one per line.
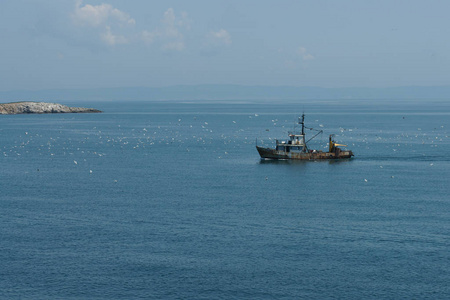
(296,147)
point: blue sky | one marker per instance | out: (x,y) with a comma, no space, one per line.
(88,44)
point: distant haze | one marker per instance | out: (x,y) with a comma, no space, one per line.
(75,45)
(227,92)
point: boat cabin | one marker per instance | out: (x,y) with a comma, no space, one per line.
(296,143)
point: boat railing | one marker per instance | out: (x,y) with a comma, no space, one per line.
(290,143)
(294,133)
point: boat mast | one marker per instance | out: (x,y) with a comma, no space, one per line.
(302,122)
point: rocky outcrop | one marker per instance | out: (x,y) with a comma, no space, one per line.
(41,108)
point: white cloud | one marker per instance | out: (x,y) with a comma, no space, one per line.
(111,39)
(148,37)
(105,19)
(215,41)
(174,46)
(218,38)
(170,33)
(301,50)
(308,57)
(303,53)
(184,21)
(99,15)
(113,26)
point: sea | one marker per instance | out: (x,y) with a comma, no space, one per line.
(170,200)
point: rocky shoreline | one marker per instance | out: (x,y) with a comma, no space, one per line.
(29,107)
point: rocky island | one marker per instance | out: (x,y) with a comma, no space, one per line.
(29,107)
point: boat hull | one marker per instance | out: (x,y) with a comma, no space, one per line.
(269,153)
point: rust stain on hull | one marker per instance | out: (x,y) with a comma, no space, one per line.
(268,153)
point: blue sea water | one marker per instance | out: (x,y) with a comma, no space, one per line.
(165,200)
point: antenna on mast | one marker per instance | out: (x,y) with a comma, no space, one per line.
(301,121)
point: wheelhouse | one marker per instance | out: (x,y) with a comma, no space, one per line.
(296,143)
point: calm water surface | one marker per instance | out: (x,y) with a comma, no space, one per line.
(171,201)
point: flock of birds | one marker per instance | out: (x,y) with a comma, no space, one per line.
(200,133)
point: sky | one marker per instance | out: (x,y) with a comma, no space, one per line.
(79,44)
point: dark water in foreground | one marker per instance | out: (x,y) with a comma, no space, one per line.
(171,201)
